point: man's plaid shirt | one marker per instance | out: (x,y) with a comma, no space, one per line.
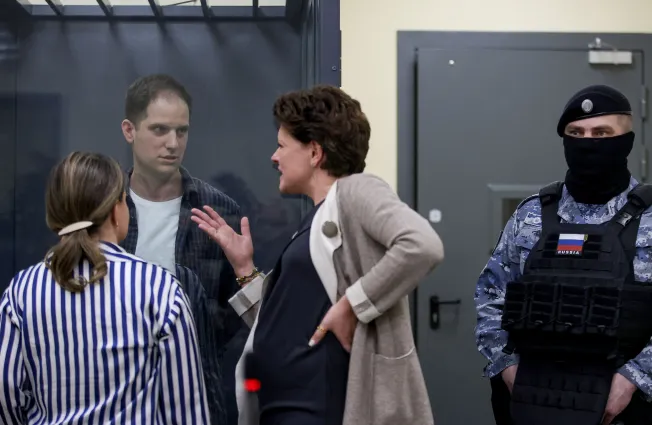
(207,277)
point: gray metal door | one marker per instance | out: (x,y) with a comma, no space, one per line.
(486,139)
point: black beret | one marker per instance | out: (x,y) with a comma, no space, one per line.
(593,101)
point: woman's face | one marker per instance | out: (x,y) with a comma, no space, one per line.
(296,163)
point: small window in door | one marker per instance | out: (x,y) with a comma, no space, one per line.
(503,200)
(508,207)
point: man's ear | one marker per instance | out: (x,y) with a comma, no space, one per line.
(128,130)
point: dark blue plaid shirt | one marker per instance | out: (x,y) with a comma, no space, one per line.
(209,281)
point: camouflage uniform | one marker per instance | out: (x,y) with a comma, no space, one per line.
(508,260)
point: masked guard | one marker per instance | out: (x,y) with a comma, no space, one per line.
(565,302)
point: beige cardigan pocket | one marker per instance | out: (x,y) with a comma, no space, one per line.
(397,397)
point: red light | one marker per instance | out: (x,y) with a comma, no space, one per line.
(252,385)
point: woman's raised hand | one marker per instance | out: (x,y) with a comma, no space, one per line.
(239,249)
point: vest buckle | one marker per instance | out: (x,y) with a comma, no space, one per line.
(624,218)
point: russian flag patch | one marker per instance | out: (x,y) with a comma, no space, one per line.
(570,244)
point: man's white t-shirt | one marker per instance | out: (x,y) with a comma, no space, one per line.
(157,230)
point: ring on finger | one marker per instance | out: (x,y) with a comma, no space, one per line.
(320,328)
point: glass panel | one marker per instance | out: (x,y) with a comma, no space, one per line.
(8,55)
(197,3)
(71,87)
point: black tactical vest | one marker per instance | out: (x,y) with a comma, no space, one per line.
(576,315)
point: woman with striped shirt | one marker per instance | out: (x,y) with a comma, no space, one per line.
(92,334)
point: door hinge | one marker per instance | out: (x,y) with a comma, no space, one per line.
(644,93)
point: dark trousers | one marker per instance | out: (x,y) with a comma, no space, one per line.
(638,412)
(500,401)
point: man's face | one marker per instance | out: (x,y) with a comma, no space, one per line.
(159,140)
(600,127)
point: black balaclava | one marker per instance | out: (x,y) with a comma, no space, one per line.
(597,167)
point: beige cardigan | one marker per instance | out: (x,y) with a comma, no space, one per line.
(379,252)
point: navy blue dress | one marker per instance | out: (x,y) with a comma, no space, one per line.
(300,385)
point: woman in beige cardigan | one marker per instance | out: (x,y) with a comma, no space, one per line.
(330,325)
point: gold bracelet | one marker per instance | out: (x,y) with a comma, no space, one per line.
(246,279)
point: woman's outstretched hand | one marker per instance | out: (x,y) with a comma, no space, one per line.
(239,249)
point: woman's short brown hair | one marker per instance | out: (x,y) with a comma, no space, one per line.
(82,187)
(331,118)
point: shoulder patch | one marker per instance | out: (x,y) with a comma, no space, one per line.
(532,219)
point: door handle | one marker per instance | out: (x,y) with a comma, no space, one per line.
(435,303)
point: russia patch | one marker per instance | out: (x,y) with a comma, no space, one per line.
(570,244)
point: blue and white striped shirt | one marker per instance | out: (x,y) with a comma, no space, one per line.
(122,351)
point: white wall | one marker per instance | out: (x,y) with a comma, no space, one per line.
(369,30)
